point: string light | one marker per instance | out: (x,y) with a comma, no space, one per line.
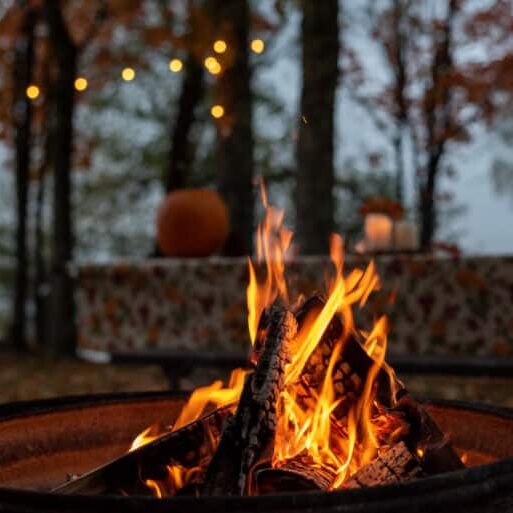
(175,65)
(81,84)
(32,92)
(215,69)
(257,45)
(213,66)
(128,74)
(210,61)
(217,111)
(220,46)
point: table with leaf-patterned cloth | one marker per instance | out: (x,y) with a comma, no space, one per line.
(435,306)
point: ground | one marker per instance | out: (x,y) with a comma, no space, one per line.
(30,377)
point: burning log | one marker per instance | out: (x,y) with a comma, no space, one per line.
(396,465)
(251,430)
(425,438)
(411,445)
(297,474)
(351,369)
(191,447)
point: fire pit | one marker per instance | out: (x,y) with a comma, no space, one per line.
(41,442)
(317,409)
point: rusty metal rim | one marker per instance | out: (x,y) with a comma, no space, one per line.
(468,486)
(65,403)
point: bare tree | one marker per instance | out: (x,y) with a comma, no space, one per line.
(235,134)
(437,120)
(66,51)
(22,116)
(315,147)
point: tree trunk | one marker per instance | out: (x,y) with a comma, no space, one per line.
(40,271)
(314,200)
(235,135)
(401,114)
(61,322)
(22,115)
(438,120)
(181,150)
(428,207)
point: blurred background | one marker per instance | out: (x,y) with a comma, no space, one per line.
(106,106)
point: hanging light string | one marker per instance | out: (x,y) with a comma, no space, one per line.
(175,65)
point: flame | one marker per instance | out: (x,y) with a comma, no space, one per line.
(308,425)
(273,242)
(147,436)
(155,487)
(311,428)
(216,395)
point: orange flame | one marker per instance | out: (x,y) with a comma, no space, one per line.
(273,242)
(215,395)
(312,428)
(309,429)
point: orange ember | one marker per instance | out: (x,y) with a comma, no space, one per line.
(339,445)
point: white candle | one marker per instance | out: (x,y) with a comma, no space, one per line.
(406,236)
(378,232)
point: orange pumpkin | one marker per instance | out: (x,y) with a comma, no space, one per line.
(192,223)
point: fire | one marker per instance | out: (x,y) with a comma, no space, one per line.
(215,396)
(273,242)
(312,428)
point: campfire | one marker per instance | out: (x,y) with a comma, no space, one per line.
(317,409)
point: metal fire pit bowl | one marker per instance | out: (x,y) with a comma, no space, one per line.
(43,441)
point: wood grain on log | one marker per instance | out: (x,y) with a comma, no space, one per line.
(251,430)
(297,474)
(351,369)
(397,465)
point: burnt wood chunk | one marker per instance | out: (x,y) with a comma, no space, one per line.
(297,474)
(397,465)
(251,430)
(191,446)
(425,438)
(350,370)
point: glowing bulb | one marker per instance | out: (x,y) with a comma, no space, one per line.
(215,69)
(32,92)
(217,111)
(210,62)
(81,84)
(257,45)
(128,74)
(220,46)
(175,65)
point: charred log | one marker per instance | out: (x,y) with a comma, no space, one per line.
(298,474)
(191,446)
(397,465)
(251,430)
(425,438)
(351,369)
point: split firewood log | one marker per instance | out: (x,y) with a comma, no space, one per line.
(297,474)
(191,446)
(397,465)
(248,434)
(425,439)
(351,369)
